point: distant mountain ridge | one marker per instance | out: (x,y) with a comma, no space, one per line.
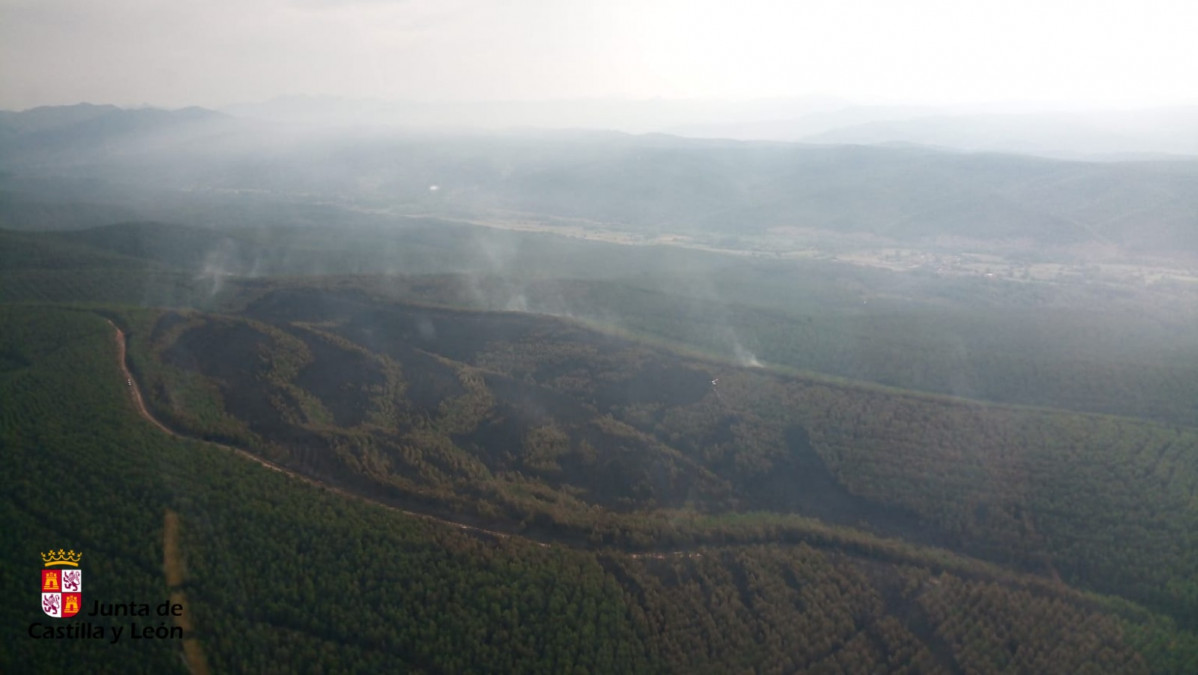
(1113,135)
(44,118)
(1068,134)
(651,184)
(84,127)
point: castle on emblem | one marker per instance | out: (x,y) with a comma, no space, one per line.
(62,589)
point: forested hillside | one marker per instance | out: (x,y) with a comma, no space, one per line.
(580,337)
(533,422)
(281,575)
(502,445)
(1092,347)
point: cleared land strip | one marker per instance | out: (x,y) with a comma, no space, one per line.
(173,567)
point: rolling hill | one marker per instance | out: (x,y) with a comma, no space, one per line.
(564,413)
(649,184)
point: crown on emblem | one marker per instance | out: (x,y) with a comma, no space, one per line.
(62,558)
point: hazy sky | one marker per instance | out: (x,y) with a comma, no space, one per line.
(214,52)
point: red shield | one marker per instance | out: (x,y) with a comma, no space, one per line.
(62,592)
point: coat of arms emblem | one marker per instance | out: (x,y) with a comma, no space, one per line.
(62,584)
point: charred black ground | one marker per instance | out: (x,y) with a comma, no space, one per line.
(585,414)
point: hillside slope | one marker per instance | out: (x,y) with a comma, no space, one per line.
(281,576)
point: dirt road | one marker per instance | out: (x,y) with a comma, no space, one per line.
(133,388)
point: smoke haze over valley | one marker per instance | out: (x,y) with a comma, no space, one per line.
(412,336)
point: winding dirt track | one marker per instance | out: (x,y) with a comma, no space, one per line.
(139,403)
